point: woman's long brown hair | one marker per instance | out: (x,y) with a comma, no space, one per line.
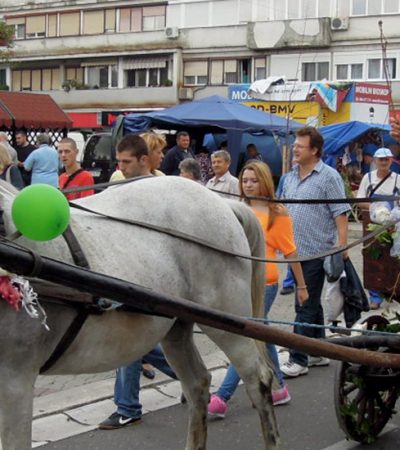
(267,189)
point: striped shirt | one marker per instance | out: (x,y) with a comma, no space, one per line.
(314,224)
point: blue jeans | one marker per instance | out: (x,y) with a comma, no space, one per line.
(127,382)
(232,378)
(311,312)
(288,282)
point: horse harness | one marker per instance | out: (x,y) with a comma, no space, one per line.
(85,304)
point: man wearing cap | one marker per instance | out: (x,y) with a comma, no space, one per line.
(379,182)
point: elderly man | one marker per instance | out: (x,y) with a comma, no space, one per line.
(222,181)
(133,161)
(181,151)
(43,162)
(381,181)
(317,228)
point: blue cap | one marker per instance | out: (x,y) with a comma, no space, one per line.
(383,153)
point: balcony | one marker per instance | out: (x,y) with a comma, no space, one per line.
(140,97)
(289,34)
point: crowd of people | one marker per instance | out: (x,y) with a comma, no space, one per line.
(298,229)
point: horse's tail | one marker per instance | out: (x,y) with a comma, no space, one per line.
(255,238)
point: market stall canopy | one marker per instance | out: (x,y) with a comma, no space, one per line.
(212,114)
(339,135)
(26,110)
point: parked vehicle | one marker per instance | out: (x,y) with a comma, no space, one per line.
(99,156)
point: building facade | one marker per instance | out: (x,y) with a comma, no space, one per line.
(96,57)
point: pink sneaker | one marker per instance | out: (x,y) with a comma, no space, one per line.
(217,407)
(281,396)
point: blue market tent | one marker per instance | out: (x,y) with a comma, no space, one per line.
(211,113)
(339,135)
(216,114)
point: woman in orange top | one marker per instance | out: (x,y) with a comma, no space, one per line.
(255,180)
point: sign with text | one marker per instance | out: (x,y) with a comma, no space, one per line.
(371,93)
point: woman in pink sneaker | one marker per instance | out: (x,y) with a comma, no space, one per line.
(255,180)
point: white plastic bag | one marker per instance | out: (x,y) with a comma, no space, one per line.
(379,212)
(334,299)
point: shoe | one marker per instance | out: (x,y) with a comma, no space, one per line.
(292,369)
(149,373)
(116,421)
(217,407)
(281,396)
(318,361)
(374,306)
(287,290)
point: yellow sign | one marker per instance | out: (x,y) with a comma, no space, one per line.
(304,112)
(329,117)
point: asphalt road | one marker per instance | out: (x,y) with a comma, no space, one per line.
(307,423)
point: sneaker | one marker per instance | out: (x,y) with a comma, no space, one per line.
(281,396)
(287,290)
(292,369)
(116,421)
(217,407)
(318,361)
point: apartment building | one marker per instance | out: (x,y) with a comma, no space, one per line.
(99,56)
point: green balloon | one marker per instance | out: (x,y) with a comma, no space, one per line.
(40,212)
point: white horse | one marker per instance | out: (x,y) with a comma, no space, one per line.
(157,261)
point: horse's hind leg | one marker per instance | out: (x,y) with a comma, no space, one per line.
(182,353)
(257,375)
(16,404)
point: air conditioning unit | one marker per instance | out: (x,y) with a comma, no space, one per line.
(172,32)
(185,94)
(339,23)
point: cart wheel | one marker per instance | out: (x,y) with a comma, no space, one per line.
(365,397)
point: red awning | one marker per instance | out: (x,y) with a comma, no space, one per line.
(26,110)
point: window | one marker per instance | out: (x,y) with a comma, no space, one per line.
(359,7)
(374,7)
(3,77)
(19,24)
(230,71)
(349,72)
(69,24)
(74,73)
(390,6)
(315,71)
(102,76)
(147,18)
(93,22)
(195,72)
(110,20)
(36,79)
(146,72)
(260,71)
(376,69)
(35,26)
(52,25)
(153,18)
(217,72)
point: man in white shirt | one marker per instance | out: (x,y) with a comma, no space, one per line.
(376,183)
(380,181)
(223,181)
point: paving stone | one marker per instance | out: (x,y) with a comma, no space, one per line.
(56,427)
(94,413)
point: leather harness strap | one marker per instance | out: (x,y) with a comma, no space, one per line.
(83,310)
